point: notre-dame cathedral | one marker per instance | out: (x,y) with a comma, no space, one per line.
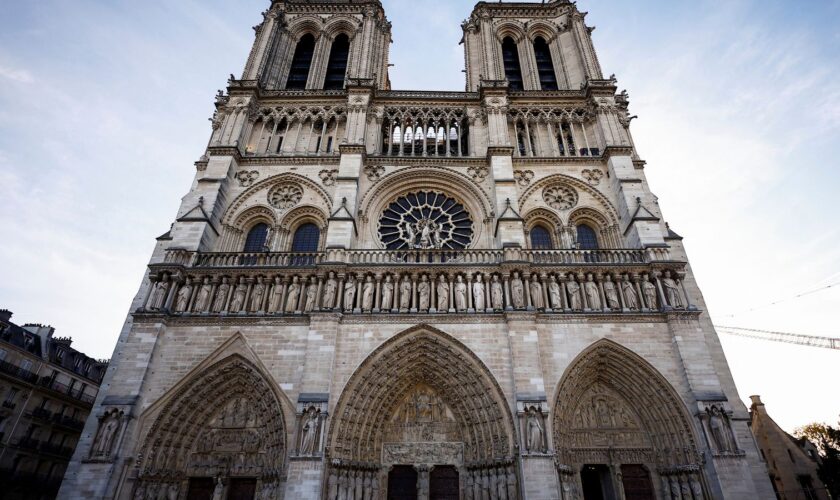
(374,294)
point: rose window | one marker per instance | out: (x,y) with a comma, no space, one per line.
(425,220)
(285,196)
(560,197)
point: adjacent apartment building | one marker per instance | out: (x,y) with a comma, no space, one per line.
(47,390)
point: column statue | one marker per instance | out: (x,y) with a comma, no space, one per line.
(575,299)
(330,288)
(202,302)
(405,293)
(478,293)
(310,431)
(349,292)
(442,294)
(257,295)
(535,432)
(311,296)
(649,290)
(159,293)
(672,291)
(592,295)
(536,293)
(423,292)
(460,294)
(274,301)
(221,296)
(611,294)
(554,293)
(238,301)
(387,293)
(367,294)
(496,293)
(630,297)
(182,302)
(517,291)
(292,295)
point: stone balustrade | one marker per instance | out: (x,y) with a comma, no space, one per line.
(417,281)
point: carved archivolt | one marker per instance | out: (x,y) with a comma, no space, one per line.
(227,419)
(422,364)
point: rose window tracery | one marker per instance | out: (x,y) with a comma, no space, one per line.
(425,220)
(285,196)
(560,197)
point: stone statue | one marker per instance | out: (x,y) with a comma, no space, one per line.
(535,432)
(367,294)
(172,493)
(292,293)
(554,294)
(274,301)
(221,296)
(720,430)
(238,301)
(672,291)
(501,485)
(460,294)
(649,290)
(611,294)
(183,300)
(349,292)
(405,293)
(442,294)
(219,490)
(387,293)
(330,288)
(311,296)
(105,438)
(496,293)
(630,297)
(310,431)
(159,293)
(478,293)
(368,487)
(140,492)
(536,293)
(332,486)
(342,486)
(575,300)
(511,483)
(423,292)
(257,295)
(202,302)
(592,295)
(517,291)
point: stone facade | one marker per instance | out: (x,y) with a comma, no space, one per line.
(792,463)
(370,293)
(47,390)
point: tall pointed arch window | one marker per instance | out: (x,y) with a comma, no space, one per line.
(256,239)
(301,62)
(545,66)
(510,58)
(540,238)
(337,65)
(586,237)
(307,238)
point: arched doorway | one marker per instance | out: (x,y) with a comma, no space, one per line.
(421,406)
(222,429)
(621,431)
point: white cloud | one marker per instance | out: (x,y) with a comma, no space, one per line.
(16,75)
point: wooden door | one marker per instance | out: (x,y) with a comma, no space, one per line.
(402,483)
(443,483)
(242,489)
(200,488)
(636,482)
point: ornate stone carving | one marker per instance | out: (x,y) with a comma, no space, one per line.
(517,291)
(328,176)
(611,294)
(367,294)
(246,178)
(649,291)
(310,431)
(442,293)
(405,293)
(536,293)
(311,300)
(237,303)
(106,437)
(523,177)
(478,172)
(593,297)
(349,293)
(631,298)
(158,295)
(560,197)
(460,293)
(387,293)
(718,427)
(202,302)
(496,293)
(374,172)
(672,291)
(555,296)
(221,296)
(292,293)
(478,292)
(536,432)
(575,299)
(330,289)
(592,176)
(425,220)
(285,196)
(182,300)
(424,293)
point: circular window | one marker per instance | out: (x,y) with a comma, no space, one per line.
(425,220)
(560,196)
(285,196)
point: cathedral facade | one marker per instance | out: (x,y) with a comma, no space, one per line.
(371,293)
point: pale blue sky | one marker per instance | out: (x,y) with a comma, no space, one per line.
(104,107)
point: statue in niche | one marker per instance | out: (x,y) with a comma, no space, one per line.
(311,296)
(183,300)
(424,292)
(478,293)
(554,294)
(536,293)
(202,302)
(104,441)
(611,294)
(367,294)
(517,291)
(219,490)
(630,297)
(592,295)
(349,292)
(442,294)
(535,432)
(496,293)
(405,293)
(159,293)
(720,429)
(330,288)
(672,291)
(257,295)
(460,294)
(310,432)
(221,296)
(387,293)
(649,290)
(292,293)
(274,302)
(238,301)
(575,300)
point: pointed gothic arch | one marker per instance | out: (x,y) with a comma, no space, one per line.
(226,417)
(614,408)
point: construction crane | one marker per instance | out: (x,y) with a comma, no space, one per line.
(788,338)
